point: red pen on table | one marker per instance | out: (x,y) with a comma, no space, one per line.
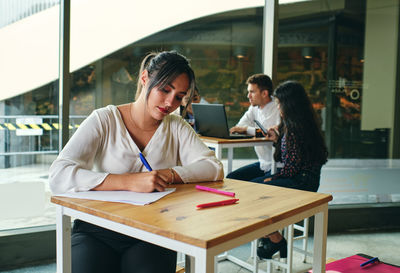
(218,203)
(215,190)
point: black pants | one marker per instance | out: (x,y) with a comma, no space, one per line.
(98,250)
(251,172)
(305,180)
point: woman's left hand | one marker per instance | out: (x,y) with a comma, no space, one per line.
(267,179)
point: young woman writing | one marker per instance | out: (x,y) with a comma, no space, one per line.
(103,154)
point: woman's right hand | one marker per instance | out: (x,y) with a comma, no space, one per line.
(272,134)
(136,182)
(147,181)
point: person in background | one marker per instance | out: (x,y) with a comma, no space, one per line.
(263,109)
(186,104)
(103,155)
(301,148)
(185,109)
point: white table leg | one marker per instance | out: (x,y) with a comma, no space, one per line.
(320,234)
(189,264)
(204,263)
(63,223)
(253,255)
(230,159)
(216,264)
(218,151)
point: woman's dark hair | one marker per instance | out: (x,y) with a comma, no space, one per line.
(163,68)
(300,121)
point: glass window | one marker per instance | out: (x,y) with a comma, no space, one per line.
(223,49)
(342,53)
(28,111)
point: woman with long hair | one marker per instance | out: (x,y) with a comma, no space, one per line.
(103,155)
(300,146)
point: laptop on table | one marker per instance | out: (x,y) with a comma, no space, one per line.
(210,120)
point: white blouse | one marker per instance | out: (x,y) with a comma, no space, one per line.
(102,145)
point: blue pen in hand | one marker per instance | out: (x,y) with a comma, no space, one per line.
(145,163)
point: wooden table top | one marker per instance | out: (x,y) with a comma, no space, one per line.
(233,140)
(175,215)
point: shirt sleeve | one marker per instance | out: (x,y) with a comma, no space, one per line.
(248,120)
(291,160)
(72,170)
(197,162)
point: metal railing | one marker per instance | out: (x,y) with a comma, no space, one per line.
(32,134)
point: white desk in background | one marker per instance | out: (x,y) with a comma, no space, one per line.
(220,143)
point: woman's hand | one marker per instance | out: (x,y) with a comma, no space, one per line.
(136,182)
(272,134)
(268,179)
(147,181)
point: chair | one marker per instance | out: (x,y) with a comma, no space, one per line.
(180,269)
(253,266)
(287,263)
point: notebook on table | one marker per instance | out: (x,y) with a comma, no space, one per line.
(353,263)
(210,120)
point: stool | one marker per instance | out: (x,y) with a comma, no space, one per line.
(180,263)
(180,269)
(290,238)
(304,237)
(287,262)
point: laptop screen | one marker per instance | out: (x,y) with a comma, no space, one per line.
(211,120)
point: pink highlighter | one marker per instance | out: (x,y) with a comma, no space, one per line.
(218,203)
(202,188)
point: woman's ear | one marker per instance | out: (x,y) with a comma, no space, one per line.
(144,77)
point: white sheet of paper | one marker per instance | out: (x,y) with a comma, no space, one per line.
(134,198)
